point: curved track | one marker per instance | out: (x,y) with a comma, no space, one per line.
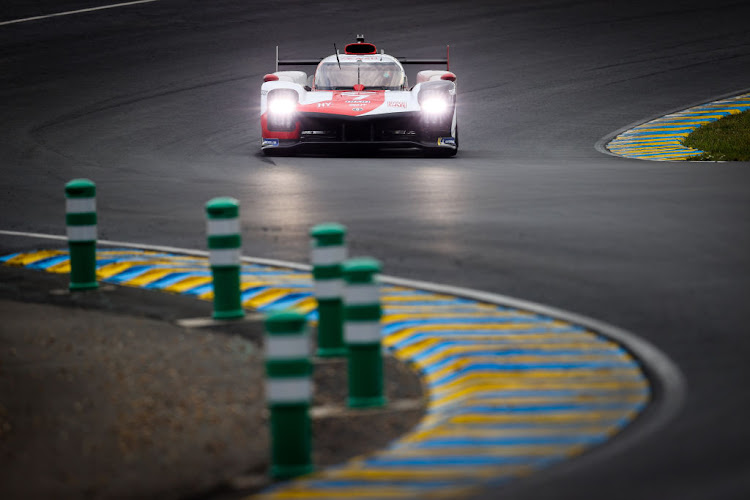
(157,104)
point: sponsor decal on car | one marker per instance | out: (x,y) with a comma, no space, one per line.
(446,141)
(270,143)
(356,95)
(346,103)
(396,104)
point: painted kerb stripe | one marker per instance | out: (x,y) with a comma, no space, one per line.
(672,129)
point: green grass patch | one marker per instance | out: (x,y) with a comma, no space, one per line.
(726,139)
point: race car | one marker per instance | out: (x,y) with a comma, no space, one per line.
(360,99)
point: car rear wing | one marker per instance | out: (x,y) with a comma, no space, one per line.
(402,60)
(446,61)
(406,60)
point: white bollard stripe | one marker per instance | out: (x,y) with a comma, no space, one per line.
(289,390)
(362,294)
(361,332)
(82,233)
(329,289)
(222,227)
(224,257)
(323,256)
(287,346)
(80,205)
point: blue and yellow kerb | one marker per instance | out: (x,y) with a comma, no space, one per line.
(661,139)
(510,391)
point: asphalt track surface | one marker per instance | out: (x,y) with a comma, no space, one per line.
(157,103)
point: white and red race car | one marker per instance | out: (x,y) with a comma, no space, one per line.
(360,99)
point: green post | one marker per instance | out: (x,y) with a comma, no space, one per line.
(224,243)
(362,314)
(289,394)
(80,219)
(328,252)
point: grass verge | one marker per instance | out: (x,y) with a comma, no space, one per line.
(727,139)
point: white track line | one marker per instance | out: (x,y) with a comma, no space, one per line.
(71,12)
(668,382)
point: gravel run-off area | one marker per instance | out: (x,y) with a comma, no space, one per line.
(103,395)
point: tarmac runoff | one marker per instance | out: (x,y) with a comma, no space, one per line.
(661,139)
(511,389)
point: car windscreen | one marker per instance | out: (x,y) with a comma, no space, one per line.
(379,75)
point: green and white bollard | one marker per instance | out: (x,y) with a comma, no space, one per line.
(289,394)
(327,254)
(362,314)
(80,219)
(224,242)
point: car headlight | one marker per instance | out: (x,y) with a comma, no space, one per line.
(435,105)
(282,110)
(282,105)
